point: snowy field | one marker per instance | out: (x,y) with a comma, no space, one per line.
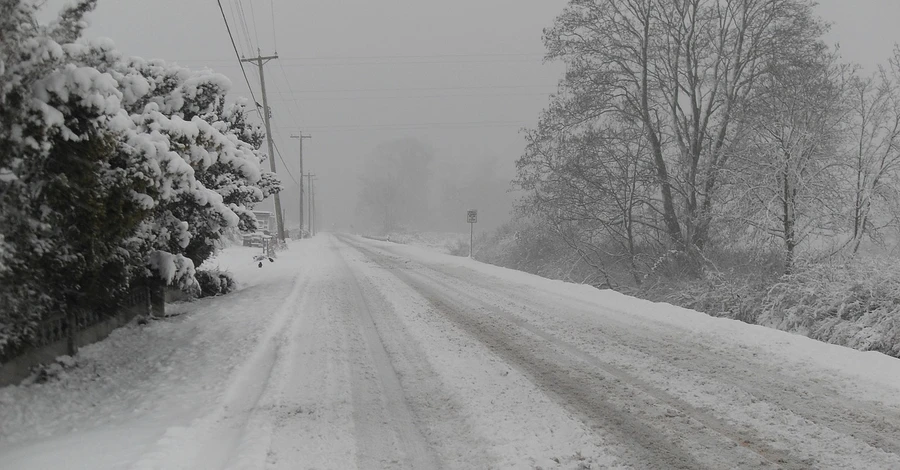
(354,353)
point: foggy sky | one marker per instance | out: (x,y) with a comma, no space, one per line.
(461,76)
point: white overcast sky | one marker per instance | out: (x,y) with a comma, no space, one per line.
(463,76)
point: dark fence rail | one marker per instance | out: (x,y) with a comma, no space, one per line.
(51,336)
(56,328)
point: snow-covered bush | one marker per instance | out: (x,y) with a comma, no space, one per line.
(530,247)
(718,294)
(214,282)
(855,304)
(113,170)
(66,210)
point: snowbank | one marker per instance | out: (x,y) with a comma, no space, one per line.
(798,353)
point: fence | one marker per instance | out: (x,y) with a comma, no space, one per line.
(51,338)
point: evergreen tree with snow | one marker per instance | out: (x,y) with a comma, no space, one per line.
(114,171)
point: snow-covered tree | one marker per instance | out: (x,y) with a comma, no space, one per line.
(65,205)
(112,169)
(209,178)
(794,134)
(678,73)
(873,164)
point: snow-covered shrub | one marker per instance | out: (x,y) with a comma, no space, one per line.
(718,294)
(112,169)
(457,248)
(214,282)
(530,247)
(66,205)
(855,304)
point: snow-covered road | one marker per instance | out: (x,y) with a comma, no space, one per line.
(352,353)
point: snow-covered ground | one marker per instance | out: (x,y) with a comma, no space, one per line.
(441,242)
(353,353)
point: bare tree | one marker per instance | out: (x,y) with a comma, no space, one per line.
(594,188)
(798,115)
(678,71)
(874,153)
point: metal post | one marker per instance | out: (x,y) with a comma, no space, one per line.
(260,61)
(471,238)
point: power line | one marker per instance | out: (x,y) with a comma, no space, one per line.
(278,92)
(255,29)
(488,87)
(234,16)
(278,152)
(389,57)
(386,63)
(238,17)
(408,62)
(290,113)
(274,37)
(243,18)
(238,56)
(250,88)
(291,90)
(422,125)
(462,95)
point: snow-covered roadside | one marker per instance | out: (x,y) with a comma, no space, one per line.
(134,388)
(378,355)
(799,354)
(441,242)
(774,392)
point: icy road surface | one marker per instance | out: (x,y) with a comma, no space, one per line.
(349,353)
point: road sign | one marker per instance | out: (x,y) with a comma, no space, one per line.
(472,216)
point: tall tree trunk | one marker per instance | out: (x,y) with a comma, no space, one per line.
(788,222)
(72,327)
(669,215)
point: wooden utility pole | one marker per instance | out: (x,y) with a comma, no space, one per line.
(313,197)
(261,60)
(300,136)
(309,202)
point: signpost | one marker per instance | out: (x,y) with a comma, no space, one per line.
(472,218)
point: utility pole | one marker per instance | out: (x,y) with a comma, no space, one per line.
(261,60)
(313,197)
(300,136)
(309,202)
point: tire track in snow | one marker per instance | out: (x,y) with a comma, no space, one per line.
(311,409)
(481,413)
(222,435)
(878,427)
(378,396)
(431,396)
(868,421)
(838,423)
(627,407)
